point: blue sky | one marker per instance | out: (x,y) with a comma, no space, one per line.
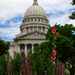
(12,12)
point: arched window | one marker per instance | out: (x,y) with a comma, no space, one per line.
(23,20)
(31,19)
(43,28)
(27,29)
(39,20)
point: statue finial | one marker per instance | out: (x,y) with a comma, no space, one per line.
(35,2)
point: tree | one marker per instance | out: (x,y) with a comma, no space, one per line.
(73,13)
(65,42)
(72,16)
(42,62)
(64,39)
(16,62)
(4,46)
(2,65)
(73,1)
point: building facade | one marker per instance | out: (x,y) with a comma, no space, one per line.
(33,29)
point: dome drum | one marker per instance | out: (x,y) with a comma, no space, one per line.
(30,29)
(35,19)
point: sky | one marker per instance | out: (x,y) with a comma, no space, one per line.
(13,11)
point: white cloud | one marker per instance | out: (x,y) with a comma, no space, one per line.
(12,7)
(58,11)
(9,33)
(13,30)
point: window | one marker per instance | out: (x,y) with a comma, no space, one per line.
(23,21)
(29,47)
(39,28)
(27,29)
(35,19)
(22,47)
(39,19)
(43,28)
(31,19)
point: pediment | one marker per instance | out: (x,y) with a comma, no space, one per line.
(35,35)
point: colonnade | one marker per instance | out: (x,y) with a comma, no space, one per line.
(26,48)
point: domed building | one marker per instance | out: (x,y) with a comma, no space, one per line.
(33,30)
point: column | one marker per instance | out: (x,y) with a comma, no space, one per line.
(32,48)
(18,48)
(26,52)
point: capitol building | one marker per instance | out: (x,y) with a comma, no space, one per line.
(33,30)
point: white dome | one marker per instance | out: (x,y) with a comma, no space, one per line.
(35,10)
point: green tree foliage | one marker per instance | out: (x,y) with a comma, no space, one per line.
(40,59)
(4,46)
(65,41)
(2,65)
(65,45)
(16,62)
(73,1)
(73,14)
